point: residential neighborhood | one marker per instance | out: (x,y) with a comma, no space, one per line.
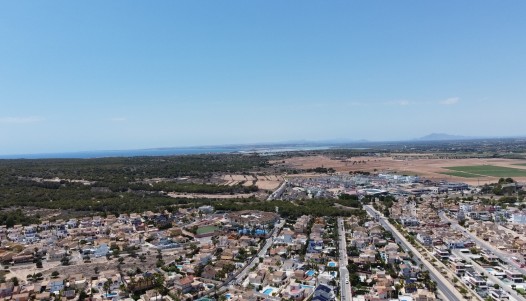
(459,247)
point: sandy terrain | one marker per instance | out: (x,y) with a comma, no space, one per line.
(264,182)
(231,180)
(209,196)
(429,168)
(237,178)
(271,182)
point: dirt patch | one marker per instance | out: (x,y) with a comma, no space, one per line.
(271,182)
(209,196)
(264,182)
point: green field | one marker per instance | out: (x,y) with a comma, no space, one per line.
(485,170)
(205,230)
(460,174)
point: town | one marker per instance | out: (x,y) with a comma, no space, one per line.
(262,150)
(420,240)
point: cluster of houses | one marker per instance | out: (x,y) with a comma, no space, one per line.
(194,250)
(331,186)
(385,271)
(187,254)
(500,227)
(299,264)
(430,221)
(198,253)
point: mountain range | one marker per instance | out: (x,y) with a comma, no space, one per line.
(442,137)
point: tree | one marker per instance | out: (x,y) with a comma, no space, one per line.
(54,274)
(106,286)
(398,287)
(463,291)
(82,295)
(65,260)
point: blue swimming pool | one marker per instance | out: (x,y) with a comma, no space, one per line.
(268,291)
(310,273)
(332,264)
(306,286)
(256,232)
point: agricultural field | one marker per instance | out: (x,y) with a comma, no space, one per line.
(460,174)
(205,229)
(487,170)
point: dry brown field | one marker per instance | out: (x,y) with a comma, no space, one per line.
(412,165)
(209,196)
(264,182)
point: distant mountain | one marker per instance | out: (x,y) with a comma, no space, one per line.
(441,136)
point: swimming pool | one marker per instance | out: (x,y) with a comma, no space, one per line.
(269,290)
(332,264)
(310,273)
(306,286)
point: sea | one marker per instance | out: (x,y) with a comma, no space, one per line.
(244,149)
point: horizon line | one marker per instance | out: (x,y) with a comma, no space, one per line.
(319,143)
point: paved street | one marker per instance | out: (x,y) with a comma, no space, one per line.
(494,279)
(443,284)
(345,286)
(500,254)
(253,261)
(262,252)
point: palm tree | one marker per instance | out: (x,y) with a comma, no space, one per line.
(106,287)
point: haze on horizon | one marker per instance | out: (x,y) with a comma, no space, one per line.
(127,74)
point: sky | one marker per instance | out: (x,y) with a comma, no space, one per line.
(102,75)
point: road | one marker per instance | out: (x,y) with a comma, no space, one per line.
(252,262)
(496,280)
(276,195)
(443,285)
(500,254)
(261,253)
(345,286)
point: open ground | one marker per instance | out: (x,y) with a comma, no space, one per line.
(435,169)
(264,182)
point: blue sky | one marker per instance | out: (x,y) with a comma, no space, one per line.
(97,75)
